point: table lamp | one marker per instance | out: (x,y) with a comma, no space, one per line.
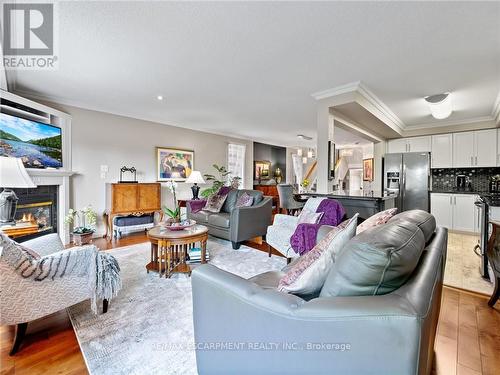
(12,175)
(195,178)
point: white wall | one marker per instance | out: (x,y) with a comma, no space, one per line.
(104,139)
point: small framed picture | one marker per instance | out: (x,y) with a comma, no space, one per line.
(173,164)
(262,170)
(368,169)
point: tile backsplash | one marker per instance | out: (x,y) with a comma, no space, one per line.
(445,179)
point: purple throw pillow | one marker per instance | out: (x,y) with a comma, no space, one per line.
(245,200)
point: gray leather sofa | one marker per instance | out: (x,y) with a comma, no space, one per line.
(246,327)
(237,224)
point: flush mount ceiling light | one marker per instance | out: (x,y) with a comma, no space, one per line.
(440,105)
(159,97)
(305,137)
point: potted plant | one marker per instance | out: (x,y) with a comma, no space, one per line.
(219,180)
(84,222)
(175,214)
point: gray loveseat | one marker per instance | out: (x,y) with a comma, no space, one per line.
(237,224)
(280,333)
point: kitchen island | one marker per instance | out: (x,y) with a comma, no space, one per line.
(366,203)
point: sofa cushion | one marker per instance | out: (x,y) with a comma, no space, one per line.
(256,194)
(377,261)
(309,273)
(215,202)
(307,217)
(230,202)
(244,200)
(200,217)
(424,220)
(219,220)
(378,219)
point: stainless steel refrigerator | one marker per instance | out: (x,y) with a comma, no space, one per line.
(408,175)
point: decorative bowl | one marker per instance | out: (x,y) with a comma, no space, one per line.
(184,224)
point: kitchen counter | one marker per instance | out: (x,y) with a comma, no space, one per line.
(459,192)
(354,194)
(359,201)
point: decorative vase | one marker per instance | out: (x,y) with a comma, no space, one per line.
(80,239)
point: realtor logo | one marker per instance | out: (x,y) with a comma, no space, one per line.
(28,36)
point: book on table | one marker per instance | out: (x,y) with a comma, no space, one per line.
(194,255)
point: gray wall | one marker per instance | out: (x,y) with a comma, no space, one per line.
(105,139)
(275,154)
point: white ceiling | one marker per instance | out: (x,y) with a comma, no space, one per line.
(344,138)
(249,68)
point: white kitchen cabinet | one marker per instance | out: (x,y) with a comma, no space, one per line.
(498,147)
(463,212)
(413,144)
(397,145)
(455,211)
(442,209)
(485,143)
(442,151)
(463,149)
(419,144)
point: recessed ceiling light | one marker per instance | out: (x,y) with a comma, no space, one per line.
(159,97)
(440,105)
(305,137)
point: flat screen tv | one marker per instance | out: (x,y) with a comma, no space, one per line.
(38,145)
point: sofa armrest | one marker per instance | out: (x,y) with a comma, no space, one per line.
(45,245)
(249,222)
(279,333)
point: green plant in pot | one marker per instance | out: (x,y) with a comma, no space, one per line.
(83,222)
(175,214)
(219,179)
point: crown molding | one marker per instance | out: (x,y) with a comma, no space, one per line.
(495,113)
(449,123)
(339,90)
(371,102)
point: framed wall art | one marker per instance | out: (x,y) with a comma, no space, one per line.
(173,164)
(368,169)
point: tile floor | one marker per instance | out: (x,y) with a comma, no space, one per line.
(462,265)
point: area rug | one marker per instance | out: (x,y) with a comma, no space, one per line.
(148,328)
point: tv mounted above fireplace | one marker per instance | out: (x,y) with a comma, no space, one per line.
(39,145)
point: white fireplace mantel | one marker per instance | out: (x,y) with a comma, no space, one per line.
(61,180)
(26,108)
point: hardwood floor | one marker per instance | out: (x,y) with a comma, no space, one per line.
(467,341)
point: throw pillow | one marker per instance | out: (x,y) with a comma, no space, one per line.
(309,272)
(23,251)
(215,202)
(377,219)
(307,217)
(377,261)
(245,200)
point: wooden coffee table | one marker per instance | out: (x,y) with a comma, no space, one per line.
(169,248)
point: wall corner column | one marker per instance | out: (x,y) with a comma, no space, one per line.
(324,126)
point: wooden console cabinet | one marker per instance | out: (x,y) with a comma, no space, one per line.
(131,199)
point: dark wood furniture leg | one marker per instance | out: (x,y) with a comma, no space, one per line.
(496,293)
(20,333)
(105,303)
(236,245)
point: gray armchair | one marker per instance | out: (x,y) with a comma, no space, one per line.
(287,199)
(237,224)
(280,333)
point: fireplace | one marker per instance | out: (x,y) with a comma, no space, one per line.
(37,211)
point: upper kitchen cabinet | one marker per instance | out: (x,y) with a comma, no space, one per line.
(419,144)
(463,149)
(442,151)
(413,144)
(498,147)
(397,145)
(485,142)
(475,149)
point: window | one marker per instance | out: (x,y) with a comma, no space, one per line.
(236,161)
